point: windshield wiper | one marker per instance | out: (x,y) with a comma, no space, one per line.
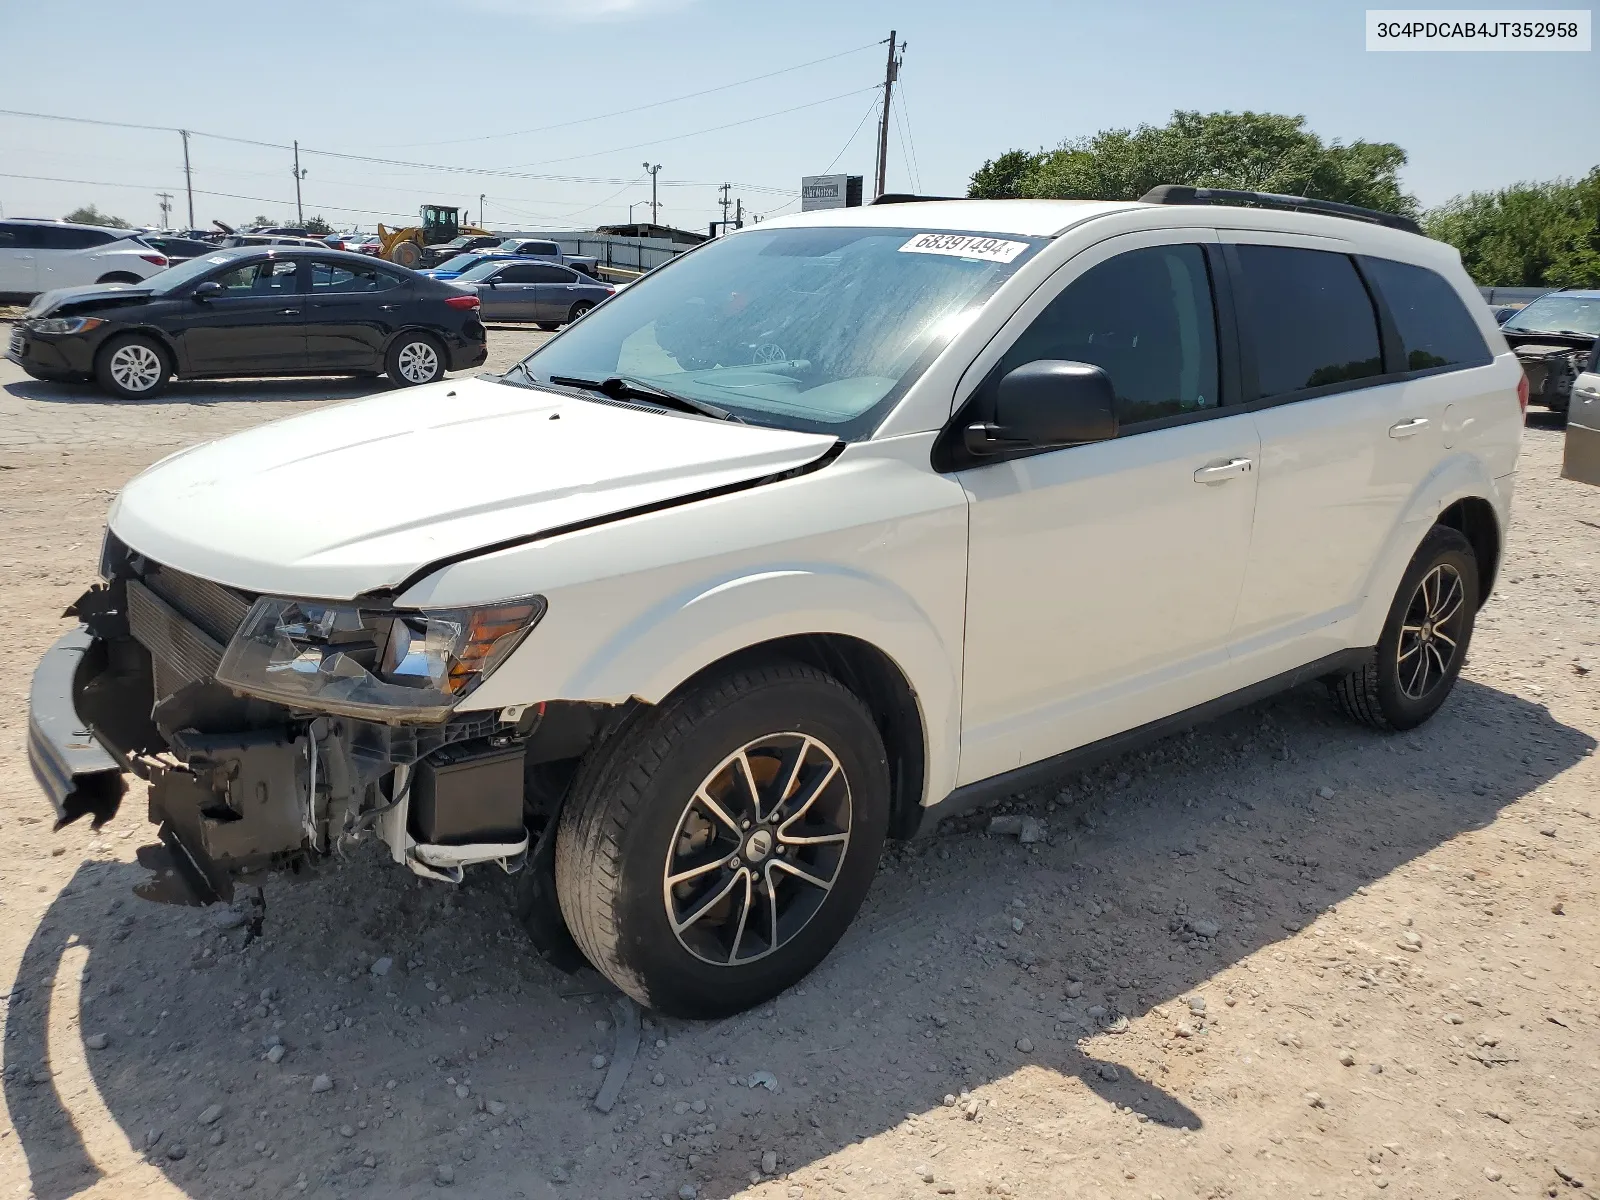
(621,387)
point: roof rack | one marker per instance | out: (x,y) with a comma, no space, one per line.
(1178,193)
(908,198)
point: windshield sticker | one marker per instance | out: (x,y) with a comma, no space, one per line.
(964,245)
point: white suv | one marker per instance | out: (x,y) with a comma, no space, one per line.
(40,256)
(821,532)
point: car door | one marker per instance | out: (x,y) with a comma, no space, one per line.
(254,326)
(352,308)
(1345,442)
(1580,458)
(557,291)
(1102,579)
(19,270)
(511,293)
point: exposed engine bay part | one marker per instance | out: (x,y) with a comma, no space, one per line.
(1551,371)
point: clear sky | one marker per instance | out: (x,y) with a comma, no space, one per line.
(434,82)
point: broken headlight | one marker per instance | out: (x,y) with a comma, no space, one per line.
(382,665)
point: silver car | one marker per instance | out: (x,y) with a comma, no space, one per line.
(544,293)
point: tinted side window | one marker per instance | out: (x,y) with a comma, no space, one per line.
(349,277)
(1435,328)
(519,275)
(550,275)
(270,277)
(9,237)
(62,237)
(1311,320)
(1146,319)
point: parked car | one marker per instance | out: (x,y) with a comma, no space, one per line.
(1580,459)
(835,527)
(550,252)
(36,256)
(177,249)
(1553,338)
(517,290)
(232,240)
(252,311)
(455,266)
(1503,311)
(465,244)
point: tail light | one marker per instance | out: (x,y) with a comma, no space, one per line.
(159,260)
(1522,391)
(467,302)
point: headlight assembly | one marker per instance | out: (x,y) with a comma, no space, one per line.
(388,665)
(52,326)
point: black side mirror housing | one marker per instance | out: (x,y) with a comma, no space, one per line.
(1047,404)
(206,291)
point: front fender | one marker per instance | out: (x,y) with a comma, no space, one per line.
(1458,477)
(668,642)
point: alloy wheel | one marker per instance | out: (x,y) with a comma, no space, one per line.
(418,362)
(757,849)
(136,367)
(1430,635)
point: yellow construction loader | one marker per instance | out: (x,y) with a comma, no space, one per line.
(439,224)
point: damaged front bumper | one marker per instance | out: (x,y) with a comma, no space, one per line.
(241,785)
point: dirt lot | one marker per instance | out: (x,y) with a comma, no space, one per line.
(1278,957)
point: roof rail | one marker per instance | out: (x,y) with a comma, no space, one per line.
(908,198)
(1178,193)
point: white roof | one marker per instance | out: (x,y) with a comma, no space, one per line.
(1029,218)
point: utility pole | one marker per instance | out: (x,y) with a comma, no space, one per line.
(483,221)
(166,209)
(299,209)
(891,73)
(188,182)
(654,171)
(738,214)
(724,202)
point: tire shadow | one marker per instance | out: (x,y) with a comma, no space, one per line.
(935,989)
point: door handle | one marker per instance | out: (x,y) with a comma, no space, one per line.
(387,307)
(1407,428)
(289,312)
(1224,471)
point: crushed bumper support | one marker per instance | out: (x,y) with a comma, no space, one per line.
(78,774)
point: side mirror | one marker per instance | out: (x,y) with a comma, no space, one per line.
(205,291)
(1045,404)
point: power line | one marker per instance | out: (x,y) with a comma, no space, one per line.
(905,155)
(200,192)
(905,113)
(678,137)
(485,137)
(851,141)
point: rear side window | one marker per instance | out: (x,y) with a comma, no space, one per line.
(1145,318)
(64,237)
(349,277)
(1312,322)
(1435,328)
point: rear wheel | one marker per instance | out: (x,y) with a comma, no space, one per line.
(414,358)
(578,309)
(1424,641)
(133,367)
(715,850)
(407,254)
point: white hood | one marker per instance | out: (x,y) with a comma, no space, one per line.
(361,495)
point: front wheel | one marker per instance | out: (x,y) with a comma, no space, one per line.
(415,358)
(715,850)
(133,367)
(1424,641)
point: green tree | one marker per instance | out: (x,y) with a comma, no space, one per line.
(90,215)
(317,226)
(1265,152)
(1526,235)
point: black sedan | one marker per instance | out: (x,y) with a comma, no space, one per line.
(252,311)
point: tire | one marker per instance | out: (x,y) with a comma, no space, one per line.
(636,816)
(578,309)
(133,367)
(407,254)
(414,359)
(1436,605)
(549,326)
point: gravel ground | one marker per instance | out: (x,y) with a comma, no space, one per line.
(1280,956)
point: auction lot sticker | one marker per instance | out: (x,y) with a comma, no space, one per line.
(964,245)
(1535,29)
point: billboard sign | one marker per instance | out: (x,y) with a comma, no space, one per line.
(829,191)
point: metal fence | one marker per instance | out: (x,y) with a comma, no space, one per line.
(618,253)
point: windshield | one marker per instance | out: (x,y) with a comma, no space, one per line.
(1558,314)
(817,329)
(184,273)
(459,262)
(485,268)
